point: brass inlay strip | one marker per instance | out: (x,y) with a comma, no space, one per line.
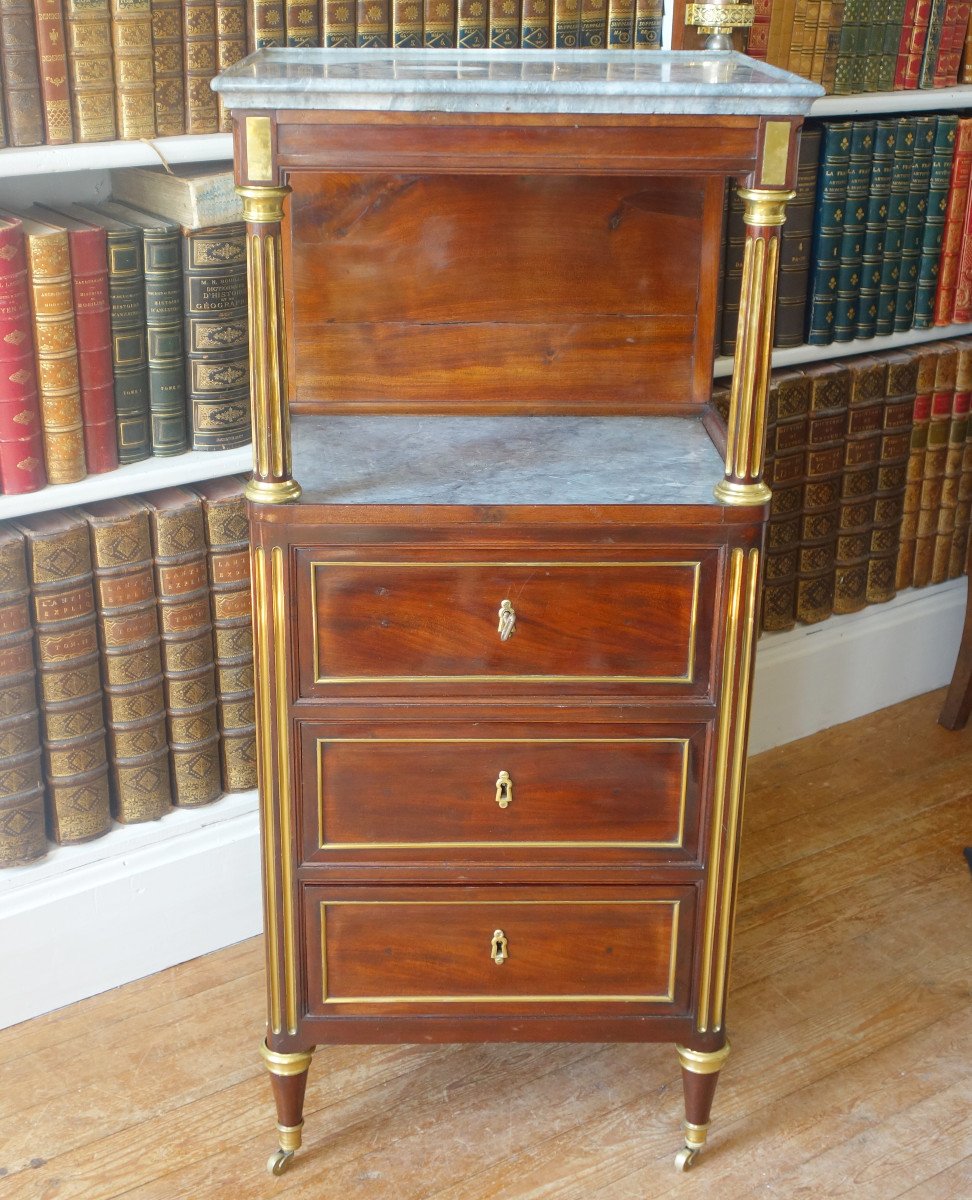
(261,640)
(776,153)
(283,783)
(668,998)
(258,368)
(259,157)
(687,677)
(518,845)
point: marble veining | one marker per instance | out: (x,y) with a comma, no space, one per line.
(514,81)
(504,460)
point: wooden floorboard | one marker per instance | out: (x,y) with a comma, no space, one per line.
(850,1018)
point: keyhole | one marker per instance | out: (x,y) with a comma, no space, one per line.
(498,951)
(504,789)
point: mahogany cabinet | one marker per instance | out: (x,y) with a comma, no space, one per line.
(506,556)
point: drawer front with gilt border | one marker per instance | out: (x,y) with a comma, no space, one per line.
(502,950)
(387,792)
(397,626)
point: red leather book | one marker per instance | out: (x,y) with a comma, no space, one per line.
(87,245)
(958,195)
(904,44)
(962,308)
(953,38)
(21,445)
(52,56)
(916,43)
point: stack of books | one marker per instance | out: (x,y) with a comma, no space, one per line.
(126,664)
(123,332)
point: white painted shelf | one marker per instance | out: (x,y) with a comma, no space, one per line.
(795,356)
(913,100)
(143,476)
(16,161)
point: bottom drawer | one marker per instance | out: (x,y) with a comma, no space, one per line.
(498,949)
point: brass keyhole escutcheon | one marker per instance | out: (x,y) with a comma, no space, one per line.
(498,948)
(504,789)
(507,620)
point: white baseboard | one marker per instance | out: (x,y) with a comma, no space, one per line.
(92,917)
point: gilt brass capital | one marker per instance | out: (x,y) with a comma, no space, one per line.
(279,1063)
(764,207)
(263,205)
(702,1062)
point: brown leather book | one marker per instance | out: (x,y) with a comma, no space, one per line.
(230,45)
(826,432)
(88,31)
(797,235)
(69,676)
(185,622)
(134,65)
(936,454)
(963,512)
(21,78)
(954,455)
(199,50)
(52,59)
(169,67)
(897,422)
(927,361)
(131,664)
(22,837)
(227,544)
(265,24)
(788,405)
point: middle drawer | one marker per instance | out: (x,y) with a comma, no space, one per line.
(382,792)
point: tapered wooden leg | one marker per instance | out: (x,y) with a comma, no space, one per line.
(700,1074)
(288,1078)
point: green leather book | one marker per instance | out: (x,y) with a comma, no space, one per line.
(904,144)
(852,239)
(921,164)
(931,242)
(872,257)
(933,41)
(873,46)
(828,233)
(895,13)
(847,48)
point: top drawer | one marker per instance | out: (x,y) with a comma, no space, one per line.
(394,625)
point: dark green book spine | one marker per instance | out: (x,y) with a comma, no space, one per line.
(126,291)
(875,227)
(889,51)
(931,241)
(921,164)
(735,247)
(847,48)
(795,242)
(828,233)
(873,47)
(214,262)
(904,143)
(166,341)
(933,41)
(852,239)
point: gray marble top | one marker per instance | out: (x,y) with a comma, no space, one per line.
(504,460)
(514,81)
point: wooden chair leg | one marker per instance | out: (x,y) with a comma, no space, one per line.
(958,702)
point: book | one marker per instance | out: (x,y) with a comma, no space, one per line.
(565,24)
(472,24)
(168,68)
(934,224)
(192,194)
(894,235)
(958,194)
(69,676)
(21,440)
(828,231)
(757,42)
(875,228)
(915,218)
(52,59)
(648,24)
(734,252)
(131,665)
(134,66)
(852,234)
(592,31)
(199,54)
(954,25)
(338,24)
(372,24)
(185,623)
(954,455)
(55,346)
(918,34)
(896,429)
(230,46)
(87,27)
(301,23)
(788,406)
(936,455)
(227,544)
(929,58)
(620,24)
(926,365)
(847,47)
(21,78)
(828,72)
(265,24)
(22,834)
(958,555)
(795,241)
(894,11)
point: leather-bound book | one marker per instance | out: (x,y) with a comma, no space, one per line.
(194,194)
(789,402)
(733,252)
(302,23)
(406,24)
(230,45)
(867,65)
(954,25)
(916,43)
(89,283)
(791,292)
(648,24)
(828,231)
(963,511)
(828,73)
(962,304)
(55,345)
(901,381)
(915,217)
(620,24)
(182,589)
(818,41)
(21,78)
(757,41)
(22,837)
(894,17)
(933,39)
(565,23)
(69,676)
(227,543)
(894,235)
(904,42)
(954,455)
(593,24)
(338,23)
(847,47)
(936,455)
(126,294)
(52,60)
(131,665)
(373,24)
(852,236)
(199,52)
(164,326)
(958,194)
(21,443)
(168,68)
(926,367)
(472,24)
(965,71)
(826,431)
(134,64)
(875,227)
(934,223)
(92,79)
(265,22)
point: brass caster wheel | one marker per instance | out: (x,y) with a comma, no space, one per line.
(685,1158)
(278,1162)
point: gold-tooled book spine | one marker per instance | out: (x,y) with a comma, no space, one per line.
(936,455)
(182,590)
(66,649)
(958,556)
(227,541)
(124,581)
(786,449)
(168,67)
(199,47)
(52,60)
(230,46)
(926,364)
(954,455)
(88,31)
(3,115)
(59,386)
(131,42)
(302,23)
(21,80)
(565,22)
(22,836)
(265,23)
